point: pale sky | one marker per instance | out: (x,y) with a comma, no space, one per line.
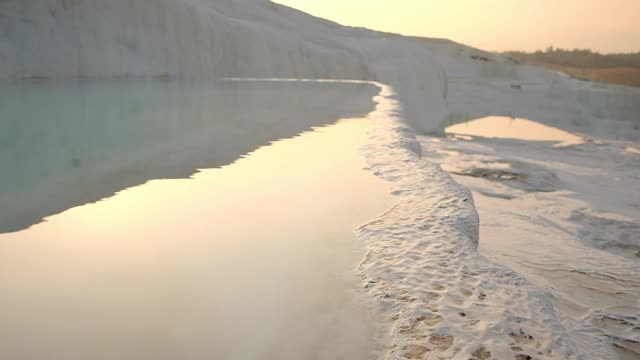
(603,25)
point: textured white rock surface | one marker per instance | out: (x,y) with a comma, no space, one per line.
(446,299)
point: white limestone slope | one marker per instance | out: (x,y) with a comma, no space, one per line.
(205,38)
(438,81)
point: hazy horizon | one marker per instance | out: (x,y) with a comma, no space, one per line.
(495,25)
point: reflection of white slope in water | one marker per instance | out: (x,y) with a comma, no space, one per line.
(250,261)
(566,218)
(447,300)
(64,144)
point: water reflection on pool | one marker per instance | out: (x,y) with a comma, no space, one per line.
(64,144)
(253,260)
(513,128)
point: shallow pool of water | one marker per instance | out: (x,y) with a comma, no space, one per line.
(252,260)
(64,144)
(513,128)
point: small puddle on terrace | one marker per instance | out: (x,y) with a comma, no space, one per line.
(513,128)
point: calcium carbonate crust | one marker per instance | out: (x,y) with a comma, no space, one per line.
(445,300)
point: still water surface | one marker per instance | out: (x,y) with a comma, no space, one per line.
(250,260)
(513,128)
(64,144)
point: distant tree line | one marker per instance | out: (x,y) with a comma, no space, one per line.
(577,58)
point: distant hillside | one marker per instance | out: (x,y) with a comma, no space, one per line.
(623,69)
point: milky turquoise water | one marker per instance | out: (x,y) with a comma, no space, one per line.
(65,144)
